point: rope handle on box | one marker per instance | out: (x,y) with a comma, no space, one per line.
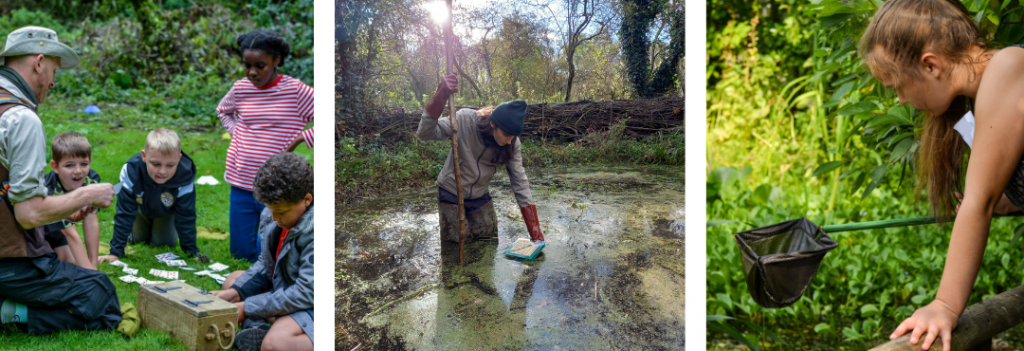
(221,336)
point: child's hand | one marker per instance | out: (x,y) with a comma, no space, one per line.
(106,258)
(229,295)
(79,215)
(936,319)
(241,311)
(201,257)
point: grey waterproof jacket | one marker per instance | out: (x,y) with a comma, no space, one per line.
(274,287)
(477,168)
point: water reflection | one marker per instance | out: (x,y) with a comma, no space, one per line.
(611,276)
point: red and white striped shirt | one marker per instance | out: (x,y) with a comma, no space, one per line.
(262,122)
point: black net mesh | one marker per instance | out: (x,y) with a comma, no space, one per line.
(780,260)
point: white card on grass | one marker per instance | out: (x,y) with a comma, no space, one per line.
(175,263)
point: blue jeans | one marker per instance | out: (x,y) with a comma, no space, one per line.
(245,222)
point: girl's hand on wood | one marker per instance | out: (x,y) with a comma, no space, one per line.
(936,319)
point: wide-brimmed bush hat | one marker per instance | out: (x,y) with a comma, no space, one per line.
(38,40)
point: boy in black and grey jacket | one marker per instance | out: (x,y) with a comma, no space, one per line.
(279,286)
(157,201)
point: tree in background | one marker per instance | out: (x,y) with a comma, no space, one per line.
(574,23)
(637,49)
(538,50)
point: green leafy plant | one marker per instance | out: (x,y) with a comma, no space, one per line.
(797,127)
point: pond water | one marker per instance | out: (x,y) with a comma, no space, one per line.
(610,277)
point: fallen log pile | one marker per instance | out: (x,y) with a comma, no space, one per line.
(556,121)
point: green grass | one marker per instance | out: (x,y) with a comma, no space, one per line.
(116,135)
(367,168)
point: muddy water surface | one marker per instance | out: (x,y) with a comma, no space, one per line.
(611,276)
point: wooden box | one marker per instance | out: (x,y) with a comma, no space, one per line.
(199,321)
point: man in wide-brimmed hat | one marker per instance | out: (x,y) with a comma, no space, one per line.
(38,292)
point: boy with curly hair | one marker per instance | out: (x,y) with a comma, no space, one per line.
(278,288)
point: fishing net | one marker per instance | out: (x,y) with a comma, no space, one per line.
(780,260)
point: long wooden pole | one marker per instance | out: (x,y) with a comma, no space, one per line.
(448,34)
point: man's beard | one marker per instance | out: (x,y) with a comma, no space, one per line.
(40,92)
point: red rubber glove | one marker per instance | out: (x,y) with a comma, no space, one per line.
(532,225)
(445,89)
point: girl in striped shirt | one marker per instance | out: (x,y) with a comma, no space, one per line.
(265,115)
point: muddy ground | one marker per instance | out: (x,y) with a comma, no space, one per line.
(611,276)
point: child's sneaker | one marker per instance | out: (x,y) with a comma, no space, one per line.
(251,338)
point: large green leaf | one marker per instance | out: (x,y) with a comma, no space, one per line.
(901,150)
(860,107)
(825,168)
(876,178)
(719,326)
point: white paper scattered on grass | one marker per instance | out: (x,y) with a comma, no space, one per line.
(128,279)
(118,263)
(164,274)
(188,268)
(175,263)
(207,180)
(166,256)
(217,267)
(131,271)
(203,272)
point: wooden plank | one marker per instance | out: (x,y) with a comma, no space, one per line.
(977,326)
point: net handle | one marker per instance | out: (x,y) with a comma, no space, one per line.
(893,223)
